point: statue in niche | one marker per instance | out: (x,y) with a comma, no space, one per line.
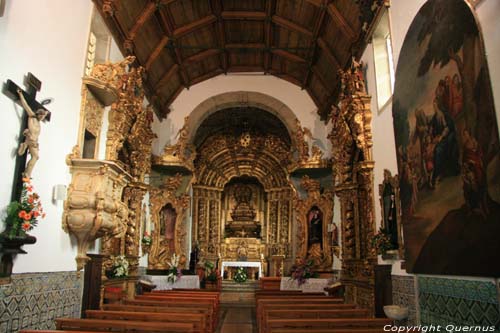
(167,226)
(315,238)
(388,200)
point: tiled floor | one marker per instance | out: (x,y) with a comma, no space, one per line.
(237,319)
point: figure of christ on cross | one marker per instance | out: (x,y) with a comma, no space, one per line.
(31,134)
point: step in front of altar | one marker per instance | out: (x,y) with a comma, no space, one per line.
(239,293)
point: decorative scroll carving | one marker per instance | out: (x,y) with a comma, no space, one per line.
(94,207)
(161,249)
(321,251)
(140,144)
(125,112)
(353,169)
(309,155)
(93,115)
(181,154)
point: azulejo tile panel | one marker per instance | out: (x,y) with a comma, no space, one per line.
(34,300)
(461,302)
(403,294)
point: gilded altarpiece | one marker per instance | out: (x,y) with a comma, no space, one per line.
(313,215)
(169,232)
(353,171)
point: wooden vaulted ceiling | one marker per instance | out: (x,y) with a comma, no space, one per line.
(183,42)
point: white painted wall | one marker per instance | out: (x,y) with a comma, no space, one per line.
(402,14)
(296,99)
(47,38)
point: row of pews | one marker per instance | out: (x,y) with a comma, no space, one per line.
(158,311)
(292,312)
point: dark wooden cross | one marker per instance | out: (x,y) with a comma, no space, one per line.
(10,90)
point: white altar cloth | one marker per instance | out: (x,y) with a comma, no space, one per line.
(241,264)
(185,282)
(310,286)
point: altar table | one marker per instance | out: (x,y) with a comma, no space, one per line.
(241,264)
(310,286)
(185,282)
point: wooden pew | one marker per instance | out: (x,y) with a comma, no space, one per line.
(261,319)
(198,320)
(310,314)
(289,325)
(185,299)
(121,325)
(168,304)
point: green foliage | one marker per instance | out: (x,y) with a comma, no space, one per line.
(381,241)
(240,276)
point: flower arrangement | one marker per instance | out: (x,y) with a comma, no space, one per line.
(120,266)
(174,273)
(240,276)
(381,241)
(23,215)
(146,239)
(302,271)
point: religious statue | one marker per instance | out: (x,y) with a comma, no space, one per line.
(315,239)
(31,134)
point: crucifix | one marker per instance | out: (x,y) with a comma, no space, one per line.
(35,112)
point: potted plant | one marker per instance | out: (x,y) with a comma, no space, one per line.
(241,275)
(381,241)
(211,277)
(302,271)
(119,268)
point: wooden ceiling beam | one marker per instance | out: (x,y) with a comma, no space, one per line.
(288,55)
(317,3)
(314,45)
(169,101)
(207,76)
(166,77)
(284,76)
(246,46)
(283,22)
(202,55)
(321,78)
(341,22)
(270,10)
(243,15)
(141,20)
(333,60)
(156,52)
(243,68)
(193,26)
(216,6)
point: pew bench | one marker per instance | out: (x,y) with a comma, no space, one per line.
(71,324)
(199,321)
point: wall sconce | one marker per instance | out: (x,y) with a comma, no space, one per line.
(59,192)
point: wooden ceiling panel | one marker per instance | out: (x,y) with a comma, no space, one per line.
(246,5)
(292,42)
(184,12)
(288,9)
(157,68)
(203,67)
(128,14)
(237,31)
(251,58)
(148,37)
(182,42)
(197,41)
(350,11)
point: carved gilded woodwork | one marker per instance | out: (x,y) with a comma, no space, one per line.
(93,115)
(309,155)
(323,256)
(181,154)
(125,110)
(353,171)
(160,252)
(140,142)
(93,207)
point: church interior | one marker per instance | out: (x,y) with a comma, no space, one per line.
(250,166)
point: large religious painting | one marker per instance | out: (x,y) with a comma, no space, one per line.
(447,145)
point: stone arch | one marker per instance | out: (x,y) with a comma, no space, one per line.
(241,99)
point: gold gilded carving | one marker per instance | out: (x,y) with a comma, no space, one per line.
(162,248)
(93,115)
(313,215)
(93,207)
(235,248)
(180,154)
(309,155)
(140,144)
(353,169)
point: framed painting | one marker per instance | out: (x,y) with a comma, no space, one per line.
(447,145)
